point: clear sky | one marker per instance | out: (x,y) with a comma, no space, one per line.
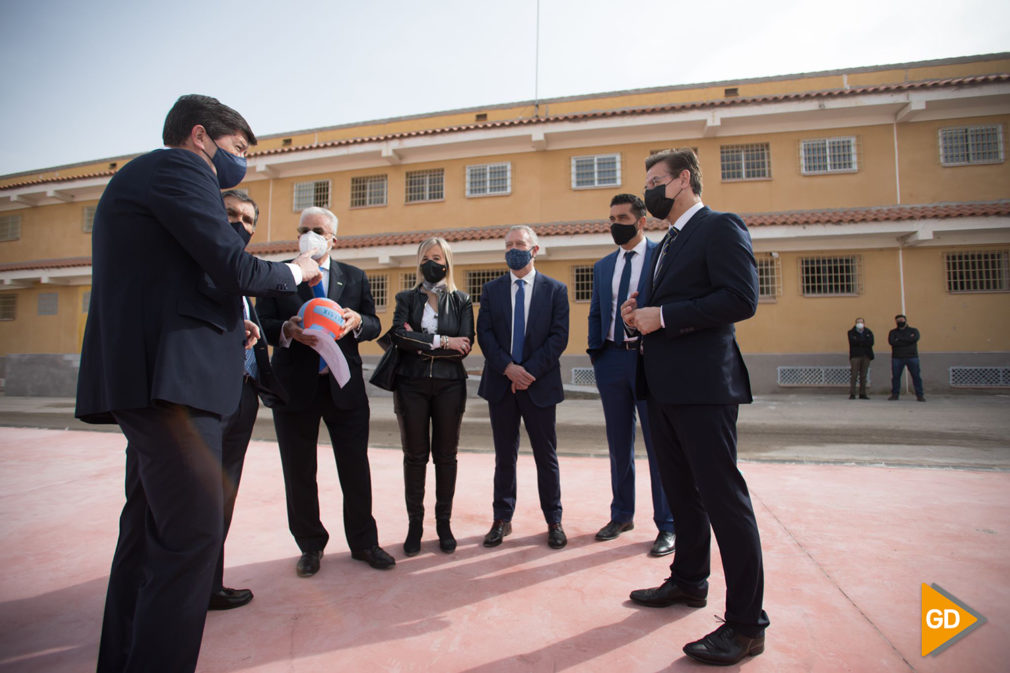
(89,80)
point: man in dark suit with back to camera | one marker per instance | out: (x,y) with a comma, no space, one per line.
(703,280)
(522,328)
(615,362)
(162,358)
(315,395)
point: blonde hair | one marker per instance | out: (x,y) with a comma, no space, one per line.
(425,246)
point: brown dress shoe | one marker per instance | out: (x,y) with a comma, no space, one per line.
(725,647)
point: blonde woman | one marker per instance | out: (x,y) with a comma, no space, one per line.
(433,328)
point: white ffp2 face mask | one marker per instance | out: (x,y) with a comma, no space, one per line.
(314,244)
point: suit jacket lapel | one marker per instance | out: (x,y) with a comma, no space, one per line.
(336,289)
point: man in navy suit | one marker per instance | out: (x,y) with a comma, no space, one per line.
(522,378)
(162,357)
(315,395)
(615,361)
(702,280)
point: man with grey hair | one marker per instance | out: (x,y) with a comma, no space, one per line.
(522,378)
(316,396)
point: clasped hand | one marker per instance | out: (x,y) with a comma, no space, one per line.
(520,378)
(646,320)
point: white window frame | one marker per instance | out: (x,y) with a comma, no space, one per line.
(479,181)
(378,286)
(769,266)
(88,219)
(368,183)
(832,270)
(741,154)
(977,271)
(582,283)
(596,160)
(305,195)
(8,306)
(428,174)
(10,227)
(828,153)
(970,144)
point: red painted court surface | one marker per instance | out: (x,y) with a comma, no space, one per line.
(846,550)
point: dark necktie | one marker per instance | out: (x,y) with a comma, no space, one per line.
(622,296)
(519,323)
(251,368)
(667,240)
(318,291)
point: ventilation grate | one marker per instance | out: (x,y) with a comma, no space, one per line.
(980,377)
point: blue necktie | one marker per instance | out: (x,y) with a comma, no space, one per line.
(519,323)
(318,291)
(251,368)
(622,296)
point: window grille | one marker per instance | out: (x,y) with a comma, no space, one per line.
(829,276)
(583,376)
(965,145)
(745,162)
(582,282)
(308,194)
(408,280)
(85,301)
(425,185)
(828,155)
(980,377)
(379,286)
(48,303)
(600,170)
(8,306)
(10,227)
(88,219)
(489,179)
(814,376)
(475,281)
(769,277)
(978,271)
(369,190)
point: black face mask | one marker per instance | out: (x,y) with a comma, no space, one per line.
(901,323)
(622,233)
(432,271)
(240,230)
(657,203)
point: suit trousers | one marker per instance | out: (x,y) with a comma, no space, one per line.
(696,448)
(298,440)
(615,379)
(540,426)
(429,412)
(169,540)
(236,433)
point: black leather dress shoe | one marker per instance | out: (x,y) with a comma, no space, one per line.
(308,564)
(226,599)
(665,544)
(499,529)
(556,538)
(667,594)
(375,557)
(613,529)
(724,647)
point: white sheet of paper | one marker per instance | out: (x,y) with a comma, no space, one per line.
(328,349)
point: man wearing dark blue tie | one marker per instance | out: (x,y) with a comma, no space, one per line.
(522,329)
(702,281)
(615,360)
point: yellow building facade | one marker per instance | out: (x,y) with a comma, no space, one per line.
(868,192)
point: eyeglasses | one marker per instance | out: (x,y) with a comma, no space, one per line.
(319,230)
(654,181)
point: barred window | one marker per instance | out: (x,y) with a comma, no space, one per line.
(475,281)
(48,303)
(978,271)
(425,185)
(829,276)
(769,277)
(745,162)
(379,286)
(368,190)
(88,219)
(828,155)
(408,280)
(8,306)
(582,282)
(10,227)
(489,179)
(85,301)
(965,145)
(600,170)
(308,194)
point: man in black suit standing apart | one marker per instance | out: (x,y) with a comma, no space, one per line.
(704,279)
(257,378)
(522,378)
(162,357)
(314,394)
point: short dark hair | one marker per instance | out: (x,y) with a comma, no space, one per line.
(192,109)
(678,160)
(244,198)
(637,205)
(900,315)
